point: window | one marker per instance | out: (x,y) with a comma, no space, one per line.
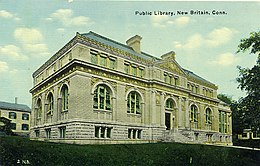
(194,113)
(102,98)
(13,126)
(103,132)
(39,108)
(141,72)
(134,133)
(223,122)
(50,104)
(112,64)
(94,58)
(165,78)
(25,116)
(169,104)
(37,133)
(134,71)
(127,68)
(208,116)
(133,103)
(62,131)
(170,79)
(176,81)
(48,133)
(103,61)
(12,115)
(65,97)
(25,127)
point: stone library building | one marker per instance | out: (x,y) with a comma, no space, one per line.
(96,90)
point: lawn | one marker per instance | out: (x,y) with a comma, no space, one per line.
(22,151)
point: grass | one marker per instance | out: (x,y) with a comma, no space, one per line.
(14,149)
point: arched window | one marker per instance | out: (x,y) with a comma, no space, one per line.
(208,116)
(65,97)
(169,105)
(134,103)
(194,113)
(39,108)
(102,98)
(50,104)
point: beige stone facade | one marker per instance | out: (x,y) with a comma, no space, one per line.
(19,115)
(96,90)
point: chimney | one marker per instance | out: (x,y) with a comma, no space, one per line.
(16,100)
(134,42)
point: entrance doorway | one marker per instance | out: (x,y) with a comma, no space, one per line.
(168,121)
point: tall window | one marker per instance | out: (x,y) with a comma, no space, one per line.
(134,71)
(134,103)
(141,72)
(112,63)
(48,133)
(127,68)
(50,104)
(102,98)
(25,116)
(65,97)
(62,131)
(208,116)
(194,113)
(12,115)
(39,108)
(94,58)
(223,122)
(103,61)
(169,104)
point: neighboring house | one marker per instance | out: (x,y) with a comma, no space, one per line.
(19,114)
(97,90)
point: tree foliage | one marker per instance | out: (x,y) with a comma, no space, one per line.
(225,98)
(247,111)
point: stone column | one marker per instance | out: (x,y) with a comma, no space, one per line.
(187,113)
(162,110)
(143,113)
(114,108)
(153,104)
(202,117)
(59,108)
(180,113)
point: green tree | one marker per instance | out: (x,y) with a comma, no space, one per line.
(248,108)
(225,98)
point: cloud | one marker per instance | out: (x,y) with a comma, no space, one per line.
(60,30)
(192,42)
(3,67)
(219,36)
(28,35)
(31,40)
(225,59)
(215,38)
(182,21)
(164,21)
(12,51)
(65,16)
(7,15)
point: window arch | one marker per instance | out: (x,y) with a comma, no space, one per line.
(169,104)
(102,98)
(194,113)
(50,104)
(208,116)
(39,108)
(134,103)
(65,97)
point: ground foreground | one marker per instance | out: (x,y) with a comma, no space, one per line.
(21,151)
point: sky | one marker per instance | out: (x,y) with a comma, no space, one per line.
(32,31)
